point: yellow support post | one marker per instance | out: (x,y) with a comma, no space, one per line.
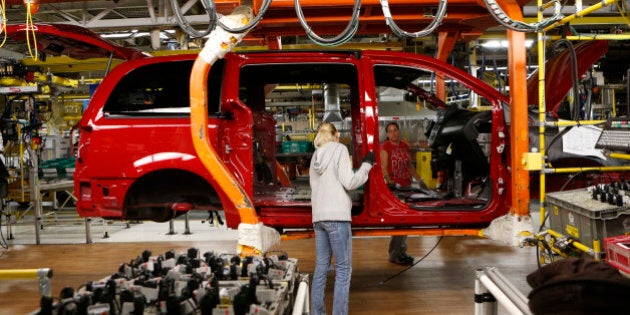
(542,110)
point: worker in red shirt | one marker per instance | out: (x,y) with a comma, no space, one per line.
(398,171)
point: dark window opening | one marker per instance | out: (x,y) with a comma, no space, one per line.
(162,89)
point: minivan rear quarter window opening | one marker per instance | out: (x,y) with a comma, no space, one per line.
(161,89)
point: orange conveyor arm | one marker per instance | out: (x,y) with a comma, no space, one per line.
(206,152)
(220,43)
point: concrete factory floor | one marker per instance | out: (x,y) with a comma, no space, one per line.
(441,283)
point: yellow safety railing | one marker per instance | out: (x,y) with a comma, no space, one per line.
(42,274)
(547,169)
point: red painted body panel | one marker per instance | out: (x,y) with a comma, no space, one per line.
(386,210)
(117,149)
(73,41)
(115,152)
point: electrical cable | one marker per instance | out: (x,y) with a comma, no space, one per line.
(452,83)
(555,138)
(469,64)
(32,105)
(497,74)
(3,25)
(343,37)
(483,64)
(548,251)
(500,16)
(30,27)
(528,55)
(263,8)
(574,75)
(587,85)
(208,5)
(415,263)
(542,225)
(441,12)
(470,92)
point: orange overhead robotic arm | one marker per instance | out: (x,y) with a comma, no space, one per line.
(206,152)
(219,43)
(254,237)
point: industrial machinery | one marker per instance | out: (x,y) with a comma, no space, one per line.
(188,283)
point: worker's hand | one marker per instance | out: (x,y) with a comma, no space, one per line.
(369,158)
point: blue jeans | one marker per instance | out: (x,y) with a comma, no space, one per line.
(332,237)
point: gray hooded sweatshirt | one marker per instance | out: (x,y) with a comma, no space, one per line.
(331,177)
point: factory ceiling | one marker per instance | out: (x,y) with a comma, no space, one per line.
(151,26)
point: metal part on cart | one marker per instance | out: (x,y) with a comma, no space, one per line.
(615,136)
(186,283)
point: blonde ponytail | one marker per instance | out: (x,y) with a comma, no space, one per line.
(325,133)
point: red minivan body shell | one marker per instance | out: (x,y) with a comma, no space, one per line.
(114,152)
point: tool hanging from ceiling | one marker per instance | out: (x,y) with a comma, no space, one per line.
(345,36)
(353,25)
(441,12)
(497,12)
(214,18)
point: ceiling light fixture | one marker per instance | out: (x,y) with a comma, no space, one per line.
(495,43)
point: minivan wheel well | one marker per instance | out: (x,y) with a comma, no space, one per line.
(151,196)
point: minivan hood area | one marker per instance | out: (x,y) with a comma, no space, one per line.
(558,72)
(69,40)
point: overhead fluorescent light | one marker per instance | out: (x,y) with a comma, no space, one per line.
(116,35)
(495,43)
(132,34)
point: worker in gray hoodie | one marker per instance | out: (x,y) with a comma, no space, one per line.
(331,177)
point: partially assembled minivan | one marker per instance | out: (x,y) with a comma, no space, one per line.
(136,160)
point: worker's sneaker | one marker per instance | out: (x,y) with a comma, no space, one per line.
(403,259)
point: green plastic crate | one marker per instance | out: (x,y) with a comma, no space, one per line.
(297,146)
(62,167)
